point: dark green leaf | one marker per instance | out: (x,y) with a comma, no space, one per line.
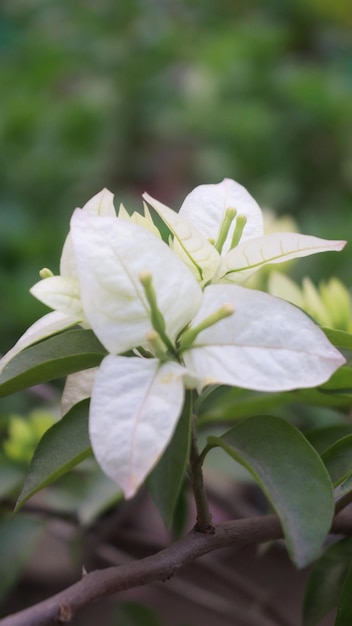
(338,459)
(344,607)
(18,538)
(62,447)
(325,581)
(231,403)
(166,479)
(322,438)
(57,356)
(291,475)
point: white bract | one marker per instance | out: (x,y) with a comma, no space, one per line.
(164,334)
(219,234)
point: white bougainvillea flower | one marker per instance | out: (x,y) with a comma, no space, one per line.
(219,234)
(137,294)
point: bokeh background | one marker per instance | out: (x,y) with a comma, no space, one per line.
(161,96)
(157,95)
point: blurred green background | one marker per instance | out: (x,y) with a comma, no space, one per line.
(161,96)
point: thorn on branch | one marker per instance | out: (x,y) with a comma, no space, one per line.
(65,614)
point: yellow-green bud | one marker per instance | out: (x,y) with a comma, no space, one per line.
(45,273)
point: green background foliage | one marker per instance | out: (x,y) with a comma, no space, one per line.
(143,95)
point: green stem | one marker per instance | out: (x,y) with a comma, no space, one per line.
(204,521)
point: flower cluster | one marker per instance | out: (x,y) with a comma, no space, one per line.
(175,316)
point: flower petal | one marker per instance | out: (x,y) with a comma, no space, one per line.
(241,262)
(101,204)
(188,243)
(78,386)
(205,207)
(266,345)
(61,294)
(134,410)
(44,327)
(111,254)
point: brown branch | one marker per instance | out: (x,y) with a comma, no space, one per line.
(160,566)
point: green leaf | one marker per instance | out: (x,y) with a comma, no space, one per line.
(57,356)
(338,459)
(62,447)
(231,403)
(165,481)
(340,381)
(339,338)
(344,607)
(292,476)
(18,538)
(322,438)
(325,581)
